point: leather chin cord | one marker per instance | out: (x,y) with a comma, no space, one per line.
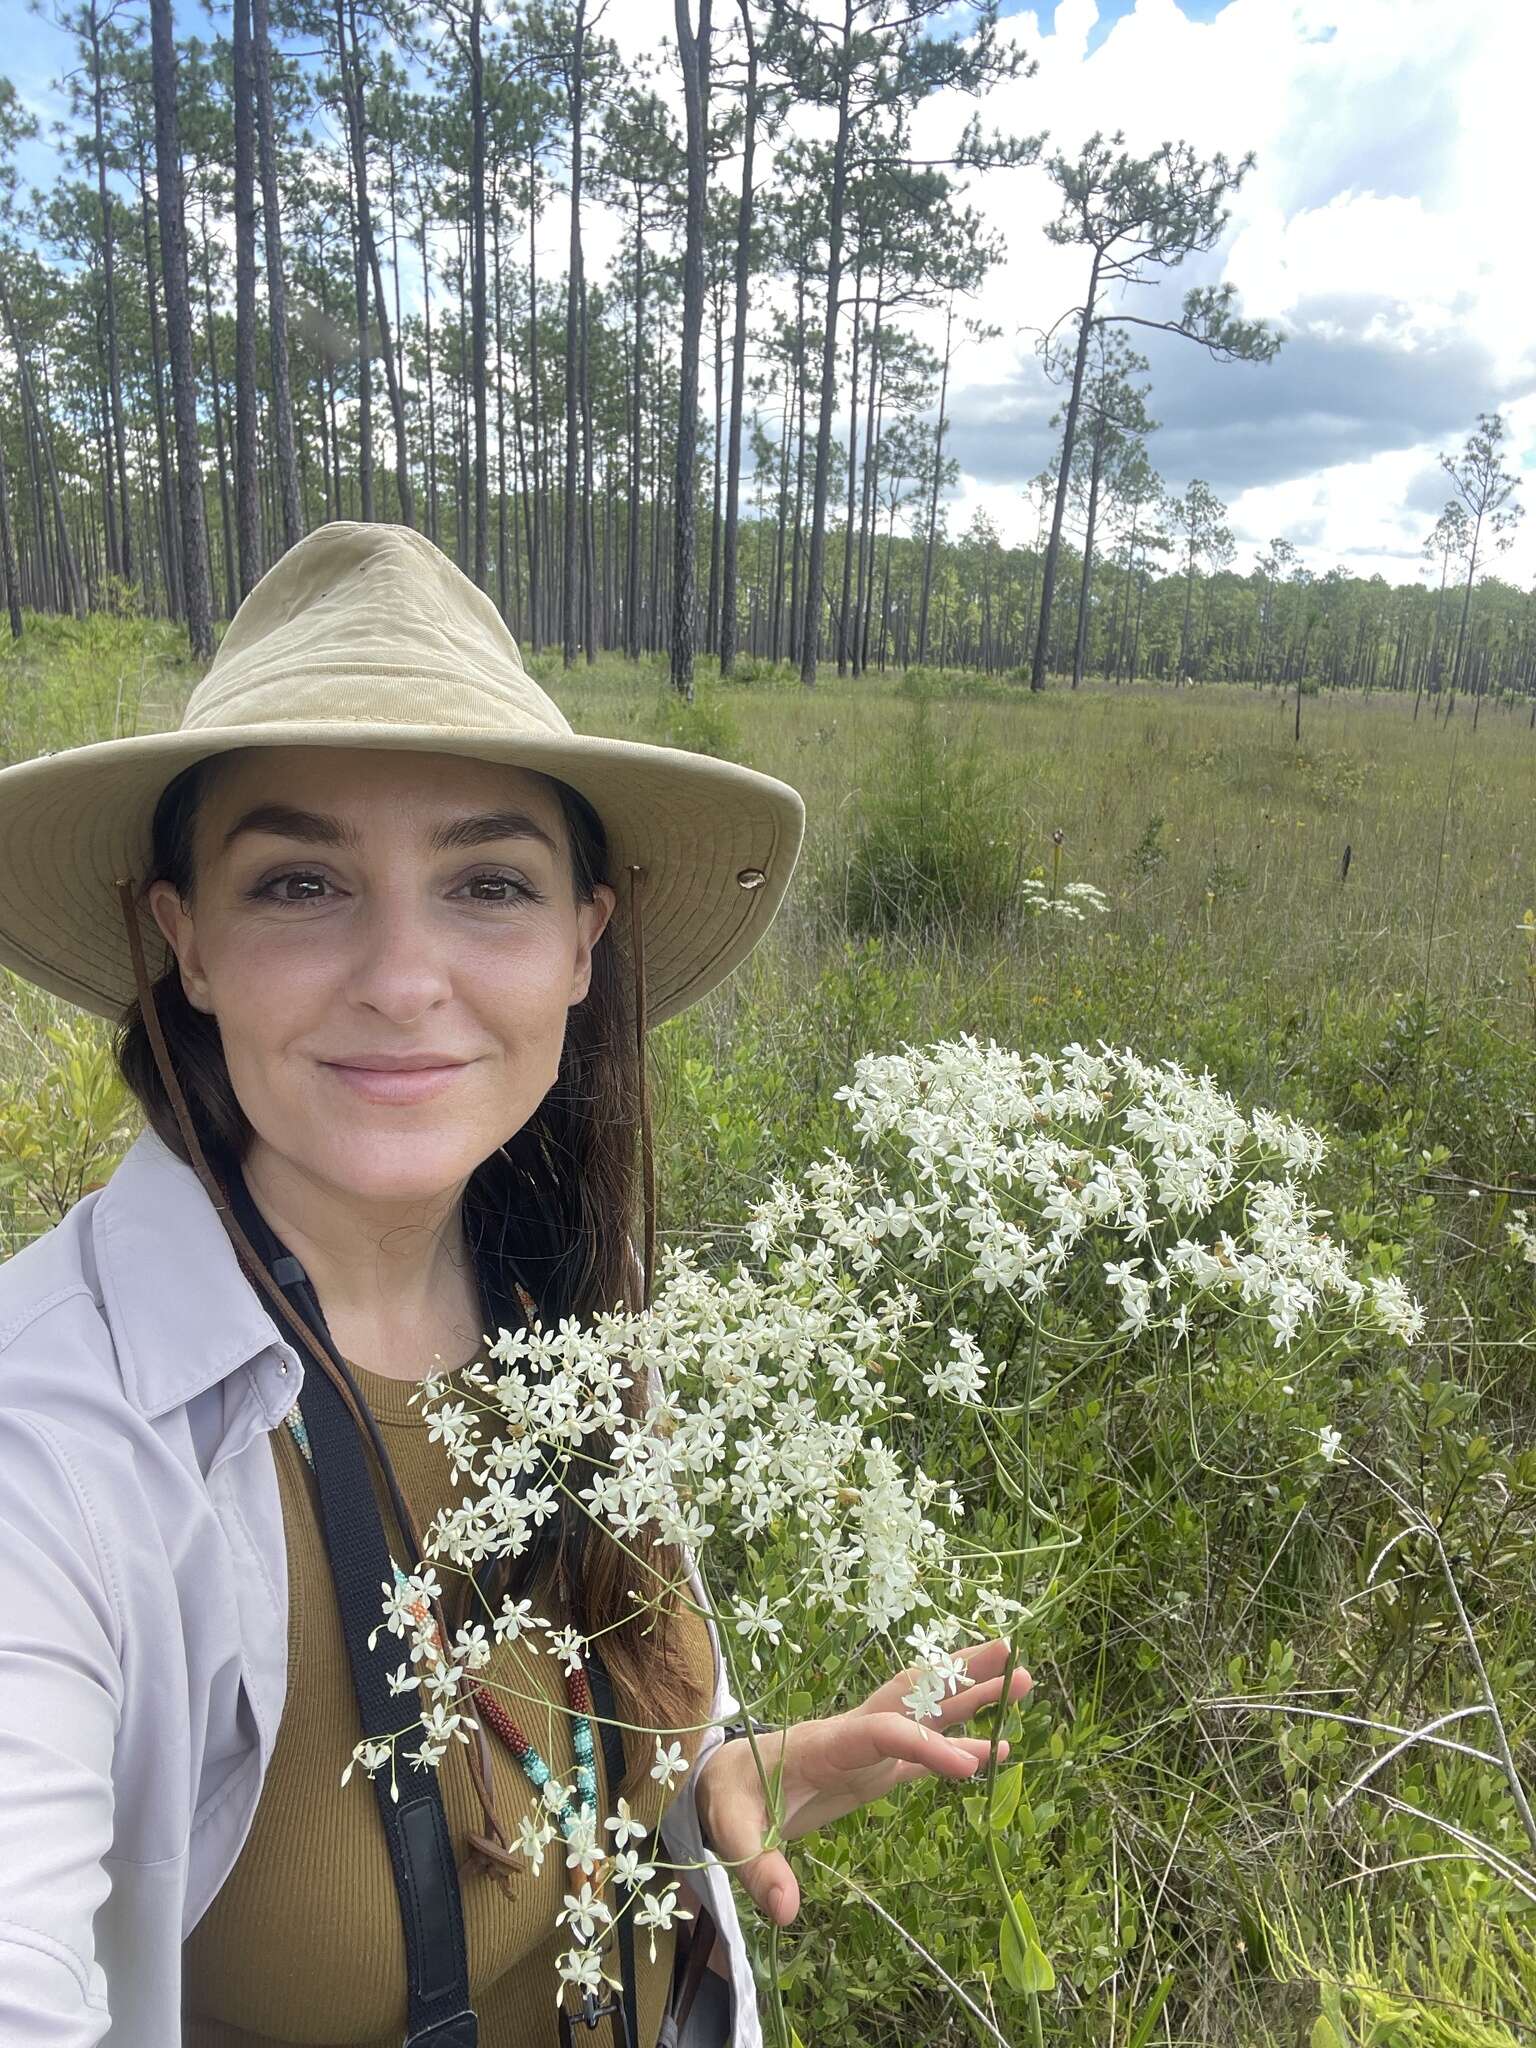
(491,1853)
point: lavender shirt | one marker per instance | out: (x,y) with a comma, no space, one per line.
(144,1610)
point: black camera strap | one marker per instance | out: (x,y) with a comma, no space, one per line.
(439,2013)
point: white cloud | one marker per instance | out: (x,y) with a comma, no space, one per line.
(1385,207)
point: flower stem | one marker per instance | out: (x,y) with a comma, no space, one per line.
(1026,1537)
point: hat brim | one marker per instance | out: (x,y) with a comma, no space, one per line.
(73,823)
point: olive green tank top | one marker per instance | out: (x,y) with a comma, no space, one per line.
(302,1946)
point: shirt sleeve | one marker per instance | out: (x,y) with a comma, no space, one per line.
(61,1695)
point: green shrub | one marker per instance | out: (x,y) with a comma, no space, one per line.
(705,726)
(936,848)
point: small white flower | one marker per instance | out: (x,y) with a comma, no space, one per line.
(1328,1441)
(660,1910)
(582,1850)
(371,1755)
(670,1763)
(569,1645)
(585,1912)
(582,1967)
(629,1870)
(625,1825)
(532,1840)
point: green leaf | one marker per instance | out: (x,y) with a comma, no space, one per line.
(1027,1968)
(1005,1797)
(1324,2033)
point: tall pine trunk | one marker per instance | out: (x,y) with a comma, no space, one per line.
(744,212)
(247,479)
(693,49)
(290,496)
(178,319)
(810,632)
(1053,547)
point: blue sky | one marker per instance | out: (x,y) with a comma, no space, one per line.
(1382,231)
(1110,11)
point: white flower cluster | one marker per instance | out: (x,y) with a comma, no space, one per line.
(1074,901)
(1522,1236)
(777,1385)
(1038,1156)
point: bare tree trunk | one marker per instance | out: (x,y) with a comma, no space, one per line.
(68,565)
(247,491)
(933,500)
(477,313)
(853,474)
(636,428)
(290,497)
(1080,649)
(9,567)
(588,537)
(216,386)
(120,543)
(693,50)
(811,625)
(573,295)
(368,252)
(1053,548)
(178,319)
(738,355)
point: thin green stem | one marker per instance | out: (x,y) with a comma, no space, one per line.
(1026,1534)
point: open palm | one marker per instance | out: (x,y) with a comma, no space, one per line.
(839,1762)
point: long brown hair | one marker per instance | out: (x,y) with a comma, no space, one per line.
(553,1207)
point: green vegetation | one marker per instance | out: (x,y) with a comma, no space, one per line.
(1242,1623)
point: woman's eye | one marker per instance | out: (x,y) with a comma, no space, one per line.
(509,882)
(266,892)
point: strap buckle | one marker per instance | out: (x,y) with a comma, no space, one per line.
(589,2016)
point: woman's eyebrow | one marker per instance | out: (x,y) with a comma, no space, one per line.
(317,828)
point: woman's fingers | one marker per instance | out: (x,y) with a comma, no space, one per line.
(983,1664)
(978,1748)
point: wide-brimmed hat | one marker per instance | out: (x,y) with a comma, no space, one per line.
(365,634)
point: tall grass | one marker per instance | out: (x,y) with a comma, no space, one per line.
(1214,1839)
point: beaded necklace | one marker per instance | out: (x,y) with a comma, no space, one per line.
(577,1691)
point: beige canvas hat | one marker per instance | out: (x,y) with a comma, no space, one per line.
(366,635)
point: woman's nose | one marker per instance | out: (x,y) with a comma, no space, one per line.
(399,962)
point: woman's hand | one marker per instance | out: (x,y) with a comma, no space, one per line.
(838,1763)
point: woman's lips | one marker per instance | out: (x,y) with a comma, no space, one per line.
(417,1084)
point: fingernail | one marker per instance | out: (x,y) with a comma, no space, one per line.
(775,1904)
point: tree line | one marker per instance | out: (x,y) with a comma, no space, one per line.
(301,273)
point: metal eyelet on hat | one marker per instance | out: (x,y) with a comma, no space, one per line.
(751,878)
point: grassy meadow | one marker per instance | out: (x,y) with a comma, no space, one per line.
(1342,928)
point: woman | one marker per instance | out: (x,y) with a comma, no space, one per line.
(390,1067)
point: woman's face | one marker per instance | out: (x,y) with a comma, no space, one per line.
(332,923)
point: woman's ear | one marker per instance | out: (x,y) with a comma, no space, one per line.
(176,923)
(591,922)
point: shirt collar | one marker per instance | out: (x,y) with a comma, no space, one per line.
(182,1313)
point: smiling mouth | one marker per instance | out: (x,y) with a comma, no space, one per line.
(382,1064)
(395,1084)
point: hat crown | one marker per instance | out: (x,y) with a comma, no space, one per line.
(366,622)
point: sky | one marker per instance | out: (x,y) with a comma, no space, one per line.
(1381,231)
